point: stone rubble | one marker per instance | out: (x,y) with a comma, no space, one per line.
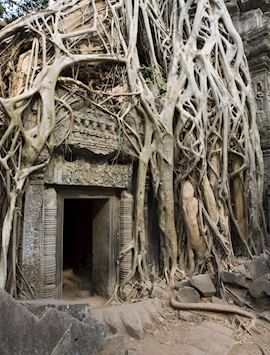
(39,307)
(190,317)
(188,294)
(204,284)
(55,332)
(250,282)
(133,319)
(57,327)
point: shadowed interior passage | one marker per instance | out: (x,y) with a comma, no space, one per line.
(79,215)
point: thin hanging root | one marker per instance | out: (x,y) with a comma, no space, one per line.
(212,307)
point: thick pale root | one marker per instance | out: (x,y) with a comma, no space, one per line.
(173,77)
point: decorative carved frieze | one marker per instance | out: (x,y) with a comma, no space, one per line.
(259,88)
(246,5)
(81,172)
(96,131)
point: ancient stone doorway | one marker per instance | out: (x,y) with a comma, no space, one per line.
(79,216)
(87,229)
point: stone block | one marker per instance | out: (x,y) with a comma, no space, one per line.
(204,284)
(259,288)
(162,293)
(113,320)
(133,318)
(18,329)
(95,325)
(132,324)
(98,314)
(151,309)
(79,338)
(264,303)
(216,300)
(188,295)
(233,278)
(39,307)
(265,315)
(258,267)
(190,317)
(238,296)
(114,339)
(53,325)
(241,269)
(158,305)
(183,283)
(146,321)
(21,332)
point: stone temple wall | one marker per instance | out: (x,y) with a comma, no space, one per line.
(252,20)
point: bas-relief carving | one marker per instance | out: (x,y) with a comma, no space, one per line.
(96,175)
(259,88)
(260,100)
(32,236)
(95,131)
(84,173)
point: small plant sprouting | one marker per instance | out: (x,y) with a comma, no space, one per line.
(147,72)
(162,88)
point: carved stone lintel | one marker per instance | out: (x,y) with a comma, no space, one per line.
(84,173)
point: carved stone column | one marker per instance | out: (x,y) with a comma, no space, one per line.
(48,265)
(126,223)
(32,238)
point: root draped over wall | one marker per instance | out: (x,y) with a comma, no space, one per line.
(176,68)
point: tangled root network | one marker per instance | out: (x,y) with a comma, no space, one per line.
(174,76)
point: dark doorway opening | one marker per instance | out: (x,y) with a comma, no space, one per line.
(79,236)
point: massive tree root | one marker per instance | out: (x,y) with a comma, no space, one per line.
(212,307)
(177,82)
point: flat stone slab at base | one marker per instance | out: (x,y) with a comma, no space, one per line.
(132,323)
(204,284)
(265,315)
(77,339)
(133,319)
(209,337)
(233,278)
(261,287)
(188,294)
(189,317)
(258,267)
(246,349)
(39,307)
(22,332)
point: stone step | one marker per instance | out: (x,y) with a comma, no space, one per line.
(55,332)
(133,319)
(40,306)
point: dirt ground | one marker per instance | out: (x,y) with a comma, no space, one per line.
(214,335)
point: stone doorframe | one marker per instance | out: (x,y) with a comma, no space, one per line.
(43,230)
(105,251)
